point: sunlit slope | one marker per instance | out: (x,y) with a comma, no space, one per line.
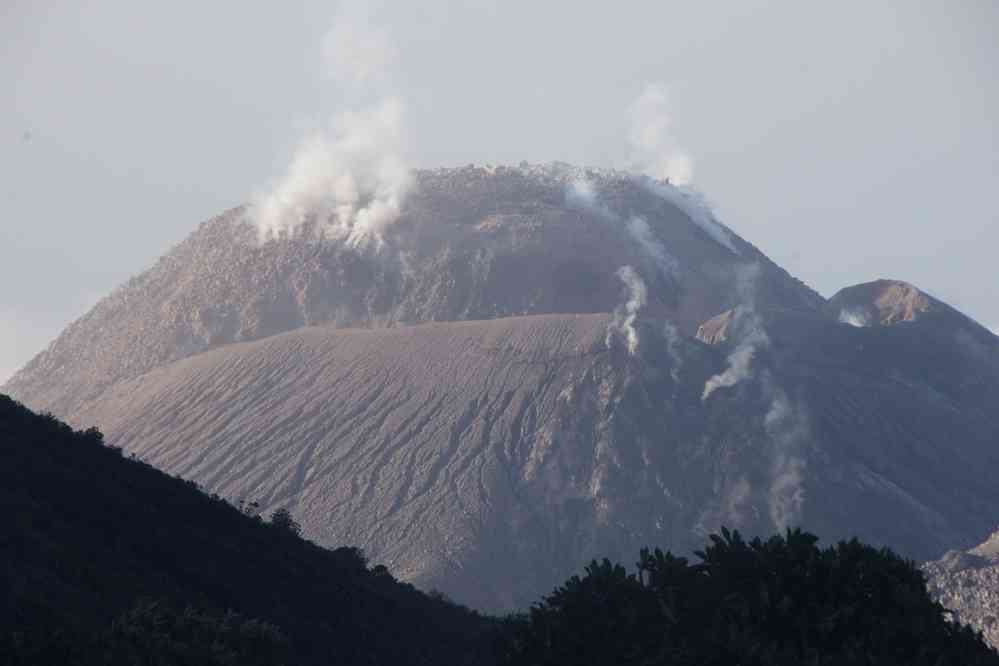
(472,243)
(490,459)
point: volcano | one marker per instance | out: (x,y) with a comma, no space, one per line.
(532,367)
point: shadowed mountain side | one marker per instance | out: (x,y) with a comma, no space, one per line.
(91,537)
(912,411)
(492,459)
(471,244)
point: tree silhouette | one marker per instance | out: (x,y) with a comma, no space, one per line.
(282,520)
(781,601)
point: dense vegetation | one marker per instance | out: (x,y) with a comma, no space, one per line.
(781,601)
(104,559)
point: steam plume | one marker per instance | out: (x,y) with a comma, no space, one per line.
(789,431)
(857,318)
(348,181)
(582,195)
(746,328)
(356,52)
(696,207)
(740,361)
(653,149)
(786,425)
(639,230)
(625,315)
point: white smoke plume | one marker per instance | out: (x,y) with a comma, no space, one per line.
(674,347)
(857,318)
(740,361)
(745,279)
(696,207)
(639,230)
(582,195)
(788,430)
(654,151)
(626,315)
(349,179)
(355,51)
(746,328)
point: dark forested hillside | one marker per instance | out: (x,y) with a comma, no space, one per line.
(777,602)
(107,560)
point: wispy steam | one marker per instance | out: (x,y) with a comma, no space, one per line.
(746,328)
(625,315)
(745,279)
(639,230)
(356,52)
(696,207)
(654,151)
(857,317)
(788,430)
(348,180)
(582,195)
(740,361)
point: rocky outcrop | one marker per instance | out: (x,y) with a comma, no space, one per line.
(715,330)
(967,584)
(891,302)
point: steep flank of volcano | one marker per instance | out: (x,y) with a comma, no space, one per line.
(472,244)
(492,459)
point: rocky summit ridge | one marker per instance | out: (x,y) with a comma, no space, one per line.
(472,243)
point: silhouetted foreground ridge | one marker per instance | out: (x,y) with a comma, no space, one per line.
(107,560)
(780,601)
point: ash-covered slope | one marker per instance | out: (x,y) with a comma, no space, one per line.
(533,367)
(491,459)
(480,458)
(472,243)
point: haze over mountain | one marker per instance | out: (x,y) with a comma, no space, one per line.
(844,164)
(510,370)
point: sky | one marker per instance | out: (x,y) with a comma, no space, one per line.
(849,141)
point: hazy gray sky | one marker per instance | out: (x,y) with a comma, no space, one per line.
(847,140)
